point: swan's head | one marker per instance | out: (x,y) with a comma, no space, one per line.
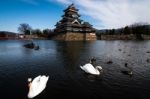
(99,68)
(29,82)
(29,79)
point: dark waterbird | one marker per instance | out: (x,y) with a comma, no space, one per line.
(93,60)
(148,60)
(37,47)
(109,62)
(32,46)
(120,49)
(148,52)
(127,70)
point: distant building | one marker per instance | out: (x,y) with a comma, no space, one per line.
(7,35)
(21,36)
(71,27)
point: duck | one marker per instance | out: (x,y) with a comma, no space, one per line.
(37,47)
(127,71)
(93,60)
(37,85)
(90,69)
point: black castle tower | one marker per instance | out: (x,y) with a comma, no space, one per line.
(71,27)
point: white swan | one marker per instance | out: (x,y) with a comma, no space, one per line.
(37,85)
(89,68)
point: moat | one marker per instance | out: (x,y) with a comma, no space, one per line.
(61,60)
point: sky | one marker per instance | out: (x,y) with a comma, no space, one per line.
(43,14)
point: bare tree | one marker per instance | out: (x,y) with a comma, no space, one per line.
(25,28)
(37,32)
(47,31)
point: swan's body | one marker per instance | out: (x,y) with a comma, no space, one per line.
(37,86)
(89,68)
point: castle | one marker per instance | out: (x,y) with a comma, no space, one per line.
(72,28)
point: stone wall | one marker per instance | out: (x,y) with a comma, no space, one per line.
(59,37)
(117,37)
(146,37)
(75,36)
(122,37)
(91,36)
(29,37)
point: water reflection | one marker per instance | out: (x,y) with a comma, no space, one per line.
(90,77)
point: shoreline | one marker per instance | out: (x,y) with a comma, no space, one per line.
(99,37)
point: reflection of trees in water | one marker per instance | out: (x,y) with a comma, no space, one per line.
(70,53)
(73,52)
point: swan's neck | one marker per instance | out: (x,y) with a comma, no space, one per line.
(29,84)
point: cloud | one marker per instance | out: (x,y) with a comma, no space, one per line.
(61,1)
(113,13)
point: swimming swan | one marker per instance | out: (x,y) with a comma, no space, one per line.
(37,85)
(89,68)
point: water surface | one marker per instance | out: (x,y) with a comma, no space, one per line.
(61,61)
